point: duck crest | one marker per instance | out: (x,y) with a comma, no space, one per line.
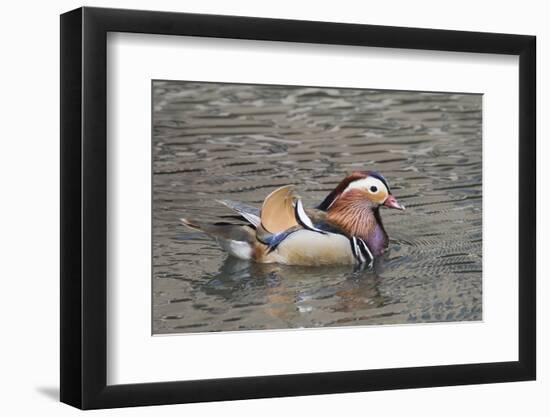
(333,196)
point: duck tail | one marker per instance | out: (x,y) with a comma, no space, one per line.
(237,240)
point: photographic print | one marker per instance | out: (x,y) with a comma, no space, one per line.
(289,207)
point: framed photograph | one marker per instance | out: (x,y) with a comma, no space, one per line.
(258,208)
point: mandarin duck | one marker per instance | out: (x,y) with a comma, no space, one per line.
(345,228)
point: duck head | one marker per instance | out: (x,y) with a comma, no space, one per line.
(366,187)
(354,207)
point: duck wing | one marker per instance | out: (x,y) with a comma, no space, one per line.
(282,214)
(249,213)
(278,210)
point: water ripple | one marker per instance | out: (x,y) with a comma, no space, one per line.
(215,141)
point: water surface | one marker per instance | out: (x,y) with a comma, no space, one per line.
(229,141)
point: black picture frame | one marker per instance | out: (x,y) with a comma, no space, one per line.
(84,207)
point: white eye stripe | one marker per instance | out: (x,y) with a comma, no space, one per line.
(366,184)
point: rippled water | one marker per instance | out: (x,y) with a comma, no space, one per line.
(228,141)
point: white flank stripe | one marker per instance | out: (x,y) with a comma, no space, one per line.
(357,250)
(367,248)
(368,251)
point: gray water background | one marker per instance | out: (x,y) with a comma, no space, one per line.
(231,141)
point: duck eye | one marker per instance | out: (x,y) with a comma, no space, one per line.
(373,188)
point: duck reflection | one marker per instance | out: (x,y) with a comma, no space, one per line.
(298,296)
